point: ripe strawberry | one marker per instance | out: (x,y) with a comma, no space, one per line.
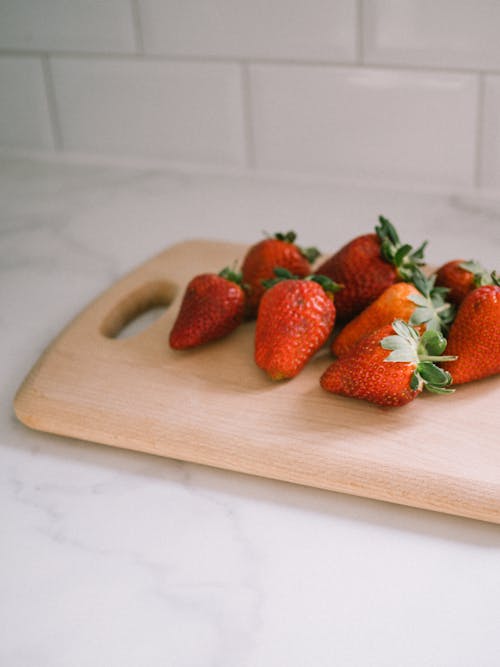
(371,373)
(367,265)
(262,258)
(393,303)
(295,319)
(213,305)
(461,277)
(475,335)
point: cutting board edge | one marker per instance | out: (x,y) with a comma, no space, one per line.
(481,510)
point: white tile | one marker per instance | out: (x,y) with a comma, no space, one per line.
(24,113)
(178,111)
(440,33)
(274,29)
(415,127)
(59,25)
(490,146)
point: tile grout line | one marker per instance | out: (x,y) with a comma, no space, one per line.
(52,102)
(210,59)
(248,125)
(479,130)
(137,23)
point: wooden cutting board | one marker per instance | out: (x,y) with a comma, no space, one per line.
(213,406)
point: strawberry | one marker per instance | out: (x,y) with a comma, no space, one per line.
(296,316)
(423,306)
(461,277)
(475,335)
(394,302)
(212,306)
(367,265)
(390,366)
(262,258)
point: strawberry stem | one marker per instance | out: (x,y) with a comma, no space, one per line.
(310,254)
(481,275)
(402,256)
(408,346)
(231,275)
(432,308)
(289,237)
(326,283)
(281,273)
(426,357)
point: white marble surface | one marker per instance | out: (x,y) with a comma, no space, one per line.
(111,558)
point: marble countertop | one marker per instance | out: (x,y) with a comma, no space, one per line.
(113,558)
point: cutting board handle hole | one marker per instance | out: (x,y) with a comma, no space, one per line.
(138,310)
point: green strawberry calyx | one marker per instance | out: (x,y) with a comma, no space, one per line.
(408,346)
(309,254)
(233,276)
(432,309)
(281,273)
(401,255)
(481,275)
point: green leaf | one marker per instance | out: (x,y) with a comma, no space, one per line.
(289,237)
(406,355)
(421,315)
(310,254)
(418,254)
(231,275)
(394,343)
(419,300)
(401,253)
(472,267)
(440,291)
(432,374)
(420,281)
(386,230)
(481,275)
(401,328)
(387,251)
(415,381)
(281,272)
(439,390)
(403,344)
(404,258)
(326,283)
(433,342)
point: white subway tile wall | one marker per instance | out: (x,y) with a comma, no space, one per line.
(490,149)
(67,25)
(275,29)
(377,90)
(190,112)
(392,125)
(438,33)
(24,111)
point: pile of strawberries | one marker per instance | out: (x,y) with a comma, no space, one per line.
(385,319)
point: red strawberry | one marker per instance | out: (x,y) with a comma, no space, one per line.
(367,265)
(418,304)
(475,336)
(394,302)
(262,258)
(295,319)
(461,277)
(213,305)
(370,372)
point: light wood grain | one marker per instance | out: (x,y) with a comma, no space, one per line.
(213,406)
